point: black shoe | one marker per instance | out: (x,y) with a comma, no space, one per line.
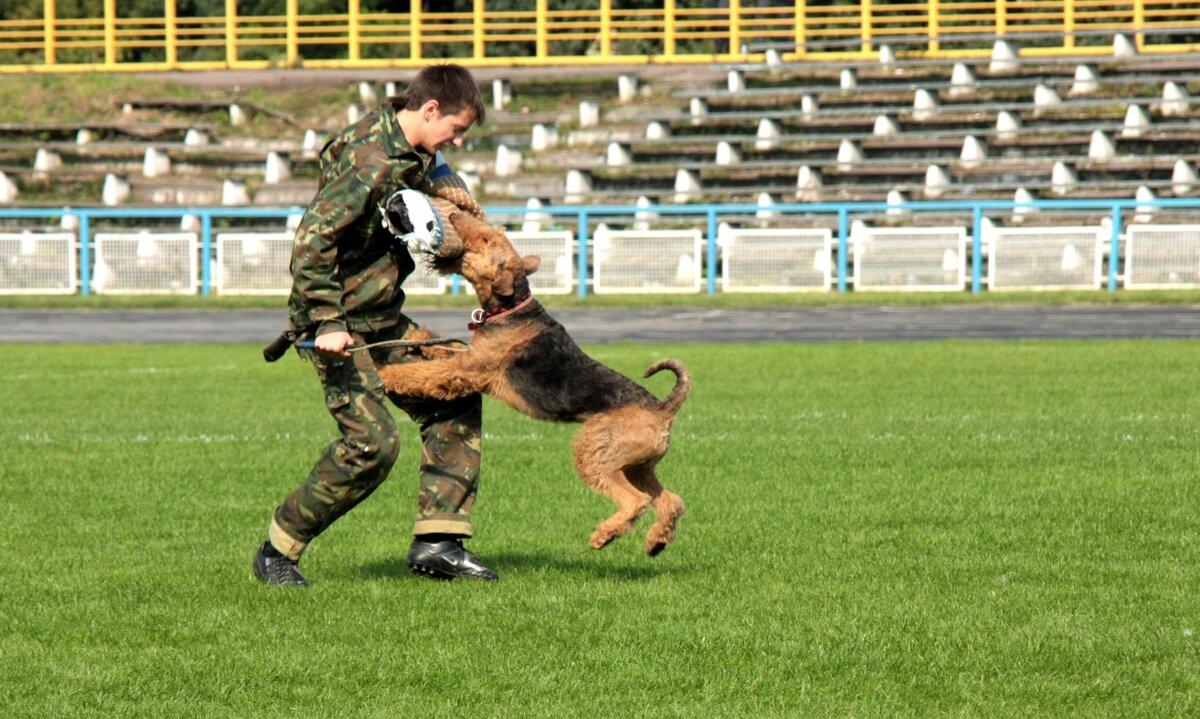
(446,559)
(272,567)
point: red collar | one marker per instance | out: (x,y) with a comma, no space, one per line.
(481,317)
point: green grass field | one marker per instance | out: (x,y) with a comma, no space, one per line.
(987,529)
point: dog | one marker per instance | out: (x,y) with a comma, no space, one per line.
(524,358)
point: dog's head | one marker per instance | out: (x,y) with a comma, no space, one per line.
(489,262)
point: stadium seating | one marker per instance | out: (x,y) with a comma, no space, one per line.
(1120,126)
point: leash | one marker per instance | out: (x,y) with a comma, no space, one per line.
(479,317)
(312,344)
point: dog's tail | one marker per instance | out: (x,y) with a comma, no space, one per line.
(683,383)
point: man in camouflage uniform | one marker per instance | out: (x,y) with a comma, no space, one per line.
(347,271)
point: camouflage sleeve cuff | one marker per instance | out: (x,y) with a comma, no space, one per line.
(331,326)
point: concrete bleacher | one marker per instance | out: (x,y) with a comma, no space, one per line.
(1073,127)
(1068,127)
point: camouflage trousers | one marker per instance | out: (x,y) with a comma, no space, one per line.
(357,463)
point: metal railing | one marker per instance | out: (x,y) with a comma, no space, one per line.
(708,216)
(674,31)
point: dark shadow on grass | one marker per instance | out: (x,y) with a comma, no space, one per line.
(526,562)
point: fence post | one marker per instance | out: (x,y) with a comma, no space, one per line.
(414,31)
(1068,24)
(977,250)
(1139,22)
(480,51)
(935,27)
(49,39)
(171,28)
(1114,249)
(541,22)
(735,26)
(352,21)
(865,23)
(583,253)
(110,32)
(1001,17)
(205,254)
(843,246)
(85,255)
(712,251)
(801,28)
(231,49)
(669,29)
(293,32)
(605,28)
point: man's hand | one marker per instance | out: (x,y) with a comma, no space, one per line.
(335,343)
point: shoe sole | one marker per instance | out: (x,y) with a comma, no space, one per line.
(427,571)
(430,572)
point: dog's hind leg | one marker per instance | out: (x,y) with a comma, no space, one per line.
(630,502)
(668,507)
(600,471)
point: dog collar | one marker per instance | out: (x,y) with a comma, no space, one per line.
(480,317)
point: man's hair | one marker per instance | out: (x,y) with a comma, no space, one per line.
(451,85)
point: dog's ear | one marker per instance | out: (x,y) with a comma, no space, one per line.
(531,263)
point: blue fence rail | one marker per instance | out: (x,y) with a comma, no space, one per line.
(584,215)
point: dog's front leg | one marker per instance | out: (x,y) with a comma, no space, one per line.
(436,379)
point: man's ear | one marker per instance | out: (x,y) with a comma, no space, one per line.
(429,108)
(531,263)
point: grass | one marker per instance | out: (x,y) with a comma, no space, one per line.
(875,530)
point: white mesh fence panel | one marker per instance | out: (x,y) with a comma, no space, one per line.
(254,263)
(1162,256)
(780,260)
(652,261)
(556,251)
(1044,258)
(145,263)
(424,281)
(910,258)
(41,263)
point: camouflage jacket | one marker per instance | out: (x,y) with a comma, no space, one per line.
(346,269)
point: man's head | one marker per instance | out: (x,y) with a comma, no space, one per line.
(438,107)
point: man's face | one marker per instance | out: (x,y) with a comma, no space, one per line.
(438,129)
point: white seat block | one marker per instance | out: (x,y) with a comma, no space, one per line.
(1137,121)
(769,135)
(687,186)
(1101,147)
(1183,177)
(1063,178)
(925,104)
(1008,125)
(589,113)
(728,154)
(1087,80)
(1004,58)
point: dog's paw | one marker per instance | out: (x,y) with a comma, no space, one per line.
(657,539)
(600,539)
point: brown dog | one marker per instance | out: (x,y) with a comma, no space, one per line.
(524,358)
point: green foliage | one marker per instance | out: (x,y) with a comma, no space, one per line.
(874,530)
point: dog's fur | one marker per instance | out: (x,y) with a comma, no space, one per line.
(524,358)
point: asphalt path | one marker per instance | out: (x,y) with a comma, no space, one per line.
(654,325)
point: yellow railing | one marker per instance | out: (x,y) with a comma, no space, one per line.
(676,31)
